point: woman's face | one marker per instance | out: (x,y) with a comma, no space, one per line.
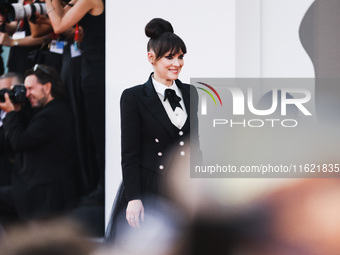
(167,68)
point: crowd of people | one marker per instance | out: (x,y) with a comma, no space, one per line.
(52,128)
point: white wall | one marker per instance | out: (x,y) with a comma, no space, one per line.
(207,28)
(267,39)
(282,51)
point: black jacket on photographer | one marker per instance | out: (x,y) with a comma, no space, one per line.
(43,181)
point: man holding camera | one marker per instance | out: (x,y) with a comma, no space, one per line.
(43,182)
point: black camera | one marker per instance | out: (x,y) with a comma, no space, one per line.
(17,94)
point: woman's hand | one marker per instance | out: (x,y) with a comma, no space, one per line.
(135,212)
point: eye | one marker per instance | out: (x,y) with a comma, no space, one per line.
(181,56)
(169,57)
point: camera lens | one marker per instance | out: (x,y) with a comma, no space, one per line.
(18,11)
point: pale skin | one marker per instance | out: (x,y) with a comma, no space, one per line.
(166,71)
(38,94)
(43,26)
(167,68)
(63,18)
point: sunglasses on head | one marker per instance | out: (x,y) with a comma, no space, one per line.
(37,66)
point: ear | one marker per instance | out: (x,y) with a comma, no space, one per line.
(48,87)
(151,57)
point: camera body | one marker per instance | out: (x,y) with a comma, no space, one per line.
(17,94)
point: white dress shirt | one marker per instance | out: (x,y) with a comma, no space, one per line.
(179,116)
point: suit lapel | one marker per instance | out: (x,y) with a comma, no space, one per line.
(154,105)
(186,95)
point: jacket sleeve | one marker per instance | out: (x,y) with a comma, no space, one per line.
(39,131)
(130,144)
(3,142)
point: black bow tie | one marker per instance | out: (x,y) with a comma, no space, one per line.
(174,100)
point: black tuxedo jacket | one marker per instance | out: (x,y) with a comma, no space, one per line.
(43,183)
(149,139)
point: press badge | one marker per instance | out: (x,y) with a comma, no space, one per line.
(57,46)
(75,51)
(19,35)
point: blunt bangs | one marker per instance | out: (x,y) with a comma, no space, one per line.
(167,42)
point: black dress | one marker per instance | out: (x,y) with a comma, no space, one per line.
(93,83)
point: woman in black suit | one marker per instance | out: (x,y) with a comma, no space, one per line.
(155,124)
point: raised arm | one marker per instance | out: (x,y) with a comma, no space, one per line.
(28,41)
(65,18)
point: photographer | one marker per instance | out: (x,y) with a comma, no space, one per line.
(17,35)
(63,48)
(43,182)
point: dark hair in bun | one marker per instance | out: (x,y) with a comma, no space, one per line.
(163,39)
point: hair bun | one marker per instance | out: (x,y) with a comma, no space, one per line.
(156,27)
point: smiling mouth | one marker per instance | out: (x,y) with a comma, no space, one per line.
(175,71)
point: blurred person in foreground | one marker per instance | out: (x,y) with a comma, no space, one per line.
(243,216)
(260,216)
(300,218)
(155,126)
(43,182)
(50,237)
